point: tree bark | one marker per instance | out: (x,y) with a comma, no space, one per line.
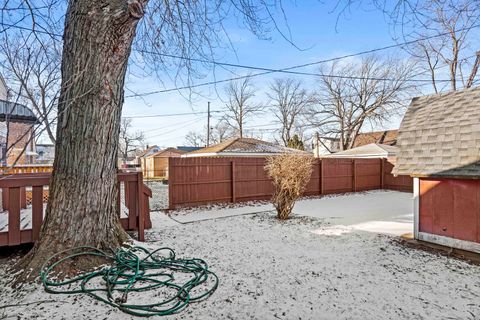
(82,207)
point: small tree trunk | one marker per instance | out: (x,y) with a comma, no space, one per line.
(82,207)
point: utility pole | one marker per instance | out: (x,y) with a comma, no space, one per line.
(208,124)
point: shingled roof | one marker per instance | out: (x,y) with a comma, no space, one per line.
(386,137)
(242,146)
(440,136)
(372,150)
(168,152)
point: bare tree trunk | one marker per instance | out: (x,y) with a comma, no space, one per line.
(82,206)
(474,71)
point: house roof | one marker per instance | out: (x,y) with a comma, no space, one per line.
(440,136)
(372,150)
(387,137)
(16,112)
(166,152)
(188,148)
(243,146)
(149,151)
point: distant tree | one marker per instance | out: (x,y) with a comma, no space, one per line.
(296,143)
(33,74)
(351,95)
(195,139)
(129,140)
(288,102)
(220,132)
(240,105)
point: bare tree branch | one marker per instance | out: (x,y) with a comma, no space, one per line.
(240,106)
(343,106)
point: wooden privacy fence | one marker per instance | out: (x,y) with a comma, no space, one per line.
(20,222)
(26,169)
(197,181)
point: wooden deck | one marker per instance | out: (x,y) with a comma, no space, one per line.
(21,219)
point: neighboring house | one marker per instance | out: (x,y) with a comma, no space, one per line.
(328,145)
(439,145)
(325,145)
(139,160)
(3,89)
(148,151)
(188,148)
(17,121)
(388,137)
(45,153)
(156,165)
(372,150)
(243,147)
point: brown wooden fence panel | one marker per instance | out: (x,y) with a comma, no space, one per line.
(337,176)
(368,174)
(400,183)
(197,181)
(251,180)
(314,185)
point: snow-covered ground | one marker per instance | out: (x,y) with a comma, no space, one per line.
(292,269)
(379,211)
(159,199)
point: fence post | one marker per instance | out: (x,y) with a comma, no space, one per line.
(320,176)
(14,237)
(354,175)
(234,196)
(171,180)
(140,203)
(382,173)
(37,211)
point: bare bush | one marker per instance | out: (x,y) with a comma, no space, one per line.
(290,174)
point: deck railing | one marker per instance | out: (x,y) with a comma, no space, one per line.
(21,220)
(26,169)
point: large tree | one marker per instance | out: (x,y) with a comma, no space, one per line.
(240,104)
(353,95)
(97,41)
(288,103)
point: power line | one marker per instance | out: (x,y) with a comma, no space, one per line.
(270,70)
(172,114)
(174,130)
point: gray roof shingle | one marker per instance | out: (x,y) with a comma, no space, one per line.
(440,136)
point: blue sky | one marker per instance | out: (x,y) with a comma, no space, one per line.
(314,27)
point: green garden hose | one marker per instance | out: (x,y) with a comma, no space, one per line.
(136,270)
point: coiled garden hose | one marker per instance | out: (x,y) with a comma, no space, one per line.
(136,270)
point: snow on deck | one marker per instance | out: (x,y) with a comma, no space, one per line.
(26,217)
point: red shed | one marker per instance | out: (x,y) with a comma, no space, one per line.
(439,145)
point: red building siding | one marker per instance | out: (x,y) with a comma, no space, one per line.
(450,208)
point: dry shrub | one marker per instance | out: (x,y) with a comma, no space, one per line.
(290,174)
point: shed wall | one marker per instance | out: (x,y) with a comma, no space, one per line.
(450,208)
